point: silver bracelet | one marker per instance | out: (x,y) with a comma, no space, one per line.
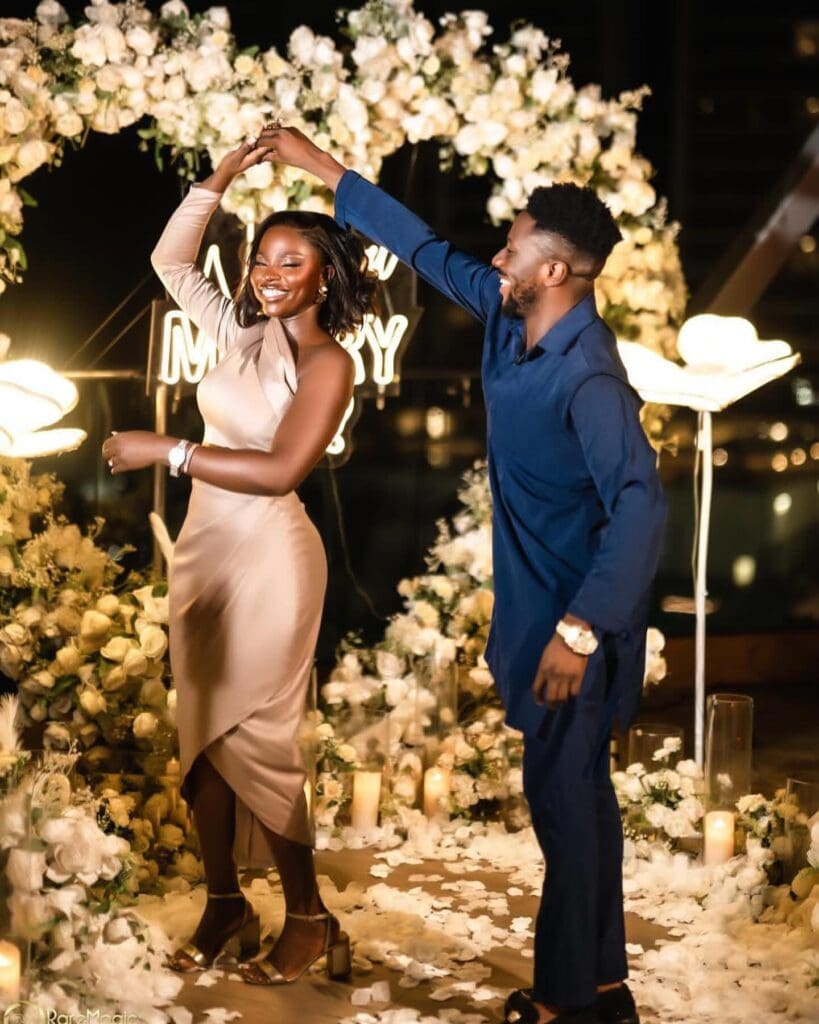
(191,449)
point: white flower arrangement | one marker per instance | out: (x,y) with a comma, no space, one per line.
(510,112)
(665,802)
(71,879)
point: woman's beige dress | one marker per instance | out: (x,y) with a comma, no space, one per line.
(249,573)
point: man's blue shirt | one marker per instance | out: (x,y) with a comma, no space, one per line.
(578,509)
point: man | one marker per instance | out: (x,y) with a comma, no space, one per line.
(577,526)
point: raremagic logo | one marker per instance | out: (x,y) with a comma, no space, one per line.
(30,1013)
(24,1013)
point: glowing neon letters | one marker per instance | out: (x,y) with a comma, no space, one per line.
(187,353)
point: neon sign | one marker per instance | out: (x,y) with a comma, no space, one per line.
(186,353)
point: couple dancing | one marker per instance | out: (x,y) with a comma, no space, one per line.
(577,523)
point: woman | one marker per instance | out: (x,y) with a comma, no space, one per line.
(249,569)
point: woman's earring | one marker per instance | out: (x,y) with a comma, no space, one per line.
(322,293)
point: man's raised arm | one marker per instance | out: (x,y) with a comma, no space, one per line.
(370,210)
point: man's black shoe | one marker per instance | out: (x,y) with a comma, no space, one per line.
(616,1006)
(520,1009)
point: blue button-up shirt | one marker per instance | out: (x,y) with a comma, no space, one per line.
(578,509)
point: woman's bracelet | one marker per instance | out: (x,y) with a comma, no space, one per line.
(191,449)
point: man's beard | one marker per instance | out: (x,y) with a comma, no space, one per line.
(519,302)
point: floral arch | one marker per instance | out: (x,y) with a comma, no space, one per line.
(510,113)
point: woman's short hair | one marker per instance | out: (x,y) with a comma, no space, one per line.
(351,287)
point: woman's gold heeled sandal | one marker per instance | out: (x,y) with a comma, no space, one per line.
(243,943)
(337,958)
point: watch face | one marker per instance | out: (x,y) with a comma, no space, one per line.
(176,457)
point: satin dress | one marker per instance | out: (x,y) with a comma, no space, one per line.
(249,572)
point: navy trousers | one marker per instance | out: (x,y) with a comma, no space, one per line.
(580,932)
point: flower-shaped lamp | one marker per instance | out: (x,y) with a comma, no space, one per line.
(724,361)
(33,396)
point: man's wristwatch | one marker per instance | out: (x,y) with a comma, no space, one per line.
(577,639)
(176,457)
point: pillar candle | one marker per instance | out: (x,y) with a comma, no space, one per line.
(366,797)
(9,972)
(172,773)
(719,837)
(436,792)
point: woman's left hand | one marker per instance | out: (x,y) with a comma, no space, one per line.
(135,449)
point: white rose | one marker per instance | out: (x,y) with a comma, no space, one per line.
(141,40)
(153,693)
(244,65)
(69,124)
(259,176)
(324,731)
(173,9)
(25,869)
(115,679)
(388,665)
(154,641)
(92,701)
(94,625)
(30,156)
(86,673)
(15,116)
(347,753)
(45,680)
(154,608)
(334,692)
(108,604)
(396,691)
(79,848)
(134,663)
(116,648)
(51,12)
(30,617)
(145,725)
(219,16)
(302,45)
(108,78)
(443,587)
(427,614)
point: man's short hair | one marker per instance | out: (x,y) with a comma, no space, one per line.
(580,217)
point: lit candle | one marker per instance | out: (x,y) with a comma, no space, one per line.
(366,797)
(719,837)
(172,774)
(436,792)
(9,972)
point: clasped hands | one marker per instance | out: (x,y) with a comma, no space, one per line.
(559,674)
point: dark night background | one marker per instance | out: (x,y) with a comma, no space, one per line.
(735,94)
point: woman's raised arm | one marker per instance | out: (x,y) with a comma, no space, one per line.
(175,253)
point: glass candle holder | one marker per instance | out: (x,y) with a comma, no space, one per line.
(728,740)
(367,732)
(655,745)
(436,705)
(803,795)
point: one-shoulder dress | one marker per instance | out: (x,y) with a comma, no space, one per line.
(249,572)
